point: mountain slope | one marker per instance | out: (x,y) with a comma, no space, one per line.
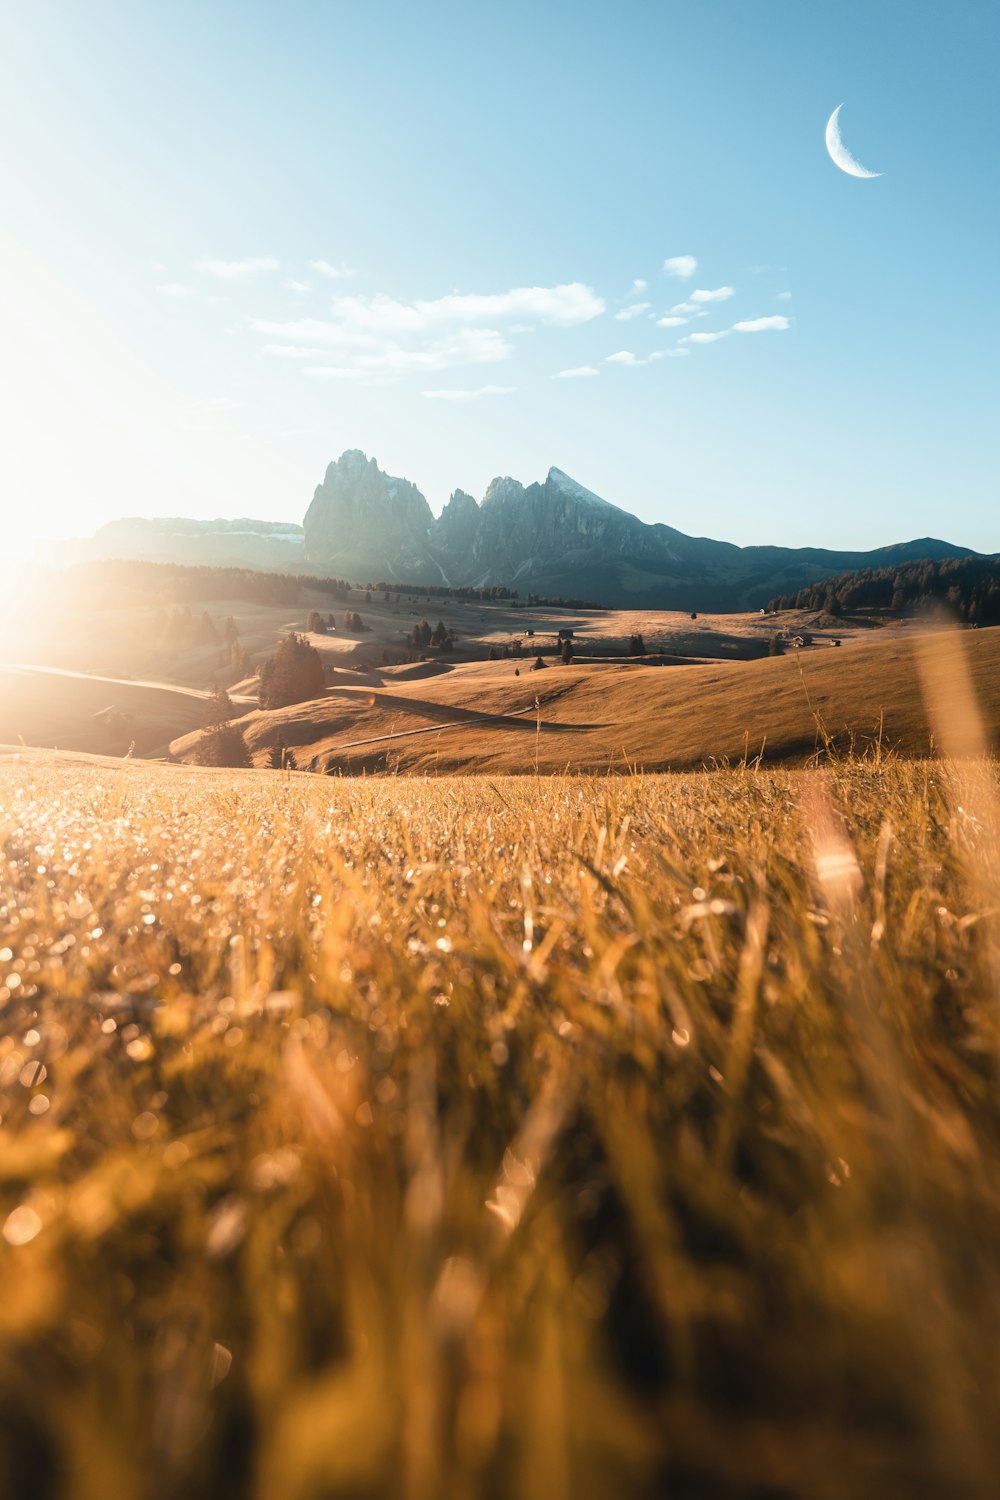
(554,537)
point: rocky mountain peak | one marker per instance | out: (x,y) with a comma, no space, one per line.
(502,490)
(563,485)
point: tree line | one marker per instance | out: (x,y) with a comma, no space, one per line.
(967,587)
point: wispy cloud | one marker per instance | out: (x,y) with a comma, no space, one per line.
(688,308)
(380,336)
(476,395)
(174,289)
(464,346)
(720,294)
(562,306)
(296,286)
(776,324)
(626,357)
(705,338)
(635,311)
(237,270)
(639,285)
(783,297)
(681,266)
(670,322)
(328,269)
(578,372)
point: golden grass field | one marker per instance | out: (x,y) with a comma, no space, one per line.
(100,680)
(559,1138)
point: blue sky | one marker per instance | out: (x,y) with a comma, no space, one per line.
(238,238)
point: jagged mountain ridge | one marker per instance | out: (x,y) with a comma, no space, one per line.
(553,537)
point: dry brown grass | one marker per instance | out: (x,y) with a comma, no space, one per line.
(559,1138)
(616,715)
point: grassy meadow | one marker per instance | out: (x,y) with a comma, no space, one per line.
(558,1137)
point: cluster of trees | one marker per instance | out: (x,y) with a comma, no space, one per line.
(969,587)
(422,637)
(636,646)
(559,601)
(223,743)
(294,674)
(440,591)
(176,628)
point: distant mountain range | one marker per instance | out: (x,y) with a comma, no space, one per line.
(554,538)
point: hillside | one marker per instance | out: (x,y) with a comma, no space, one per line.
(607,715)
(968,588)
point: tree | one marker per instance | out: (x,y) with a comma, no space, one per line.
(315,624)
(208,634)
(219,709)
(223,745)
(567,652)
(232,632)
(776,646)
(440,633)
(279,757)
(239,660)
(293,675)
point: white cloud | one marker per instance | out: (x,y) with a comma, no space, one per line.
(578,372)
(296,286)
(720,294)
(465,346)
(476,395)
(669,322)
(237,270)
(639,285)
(705,338)
(379,336)
(783,297)
(326,268)
(684,307)
(563,306)
(625,357)
(174,289)
(635,311)
(776,324)
(681,266)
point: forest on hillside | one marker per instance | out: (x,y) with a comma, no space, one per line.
(968,588)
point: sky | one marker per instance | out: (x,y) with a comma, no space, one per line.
(238,238)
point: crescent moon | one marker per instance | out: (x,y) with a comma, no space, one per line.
(838,151)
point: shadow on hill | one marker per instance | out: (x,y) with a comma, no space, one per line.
(446,713)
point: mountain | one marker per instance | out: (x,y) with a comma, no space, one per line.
(556,538)
(553,537)
(274,545)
